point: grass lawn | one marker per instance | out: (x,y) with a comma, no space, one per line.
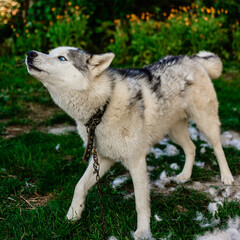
(39,171)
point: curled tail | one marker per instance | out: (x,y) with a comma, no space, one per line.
(211,62)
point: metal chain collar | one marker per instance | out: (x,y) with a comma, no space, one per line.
(91,148)
(91,125)
(96,168)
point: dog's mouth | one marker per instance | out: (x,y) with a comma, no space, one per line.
(32,67)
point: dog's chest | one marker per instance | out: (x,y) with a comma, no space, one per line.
(115,142)
(72,103)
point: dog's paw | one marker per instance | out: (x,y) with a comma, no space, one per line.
(74,213)
(227,179)
(181,178)
(142,235)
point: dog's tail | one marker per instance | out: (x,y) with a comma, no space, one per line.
(211,62)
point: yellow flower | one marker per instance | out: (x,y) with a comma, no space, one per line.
(208,10)
(164,14)
(111,40)
(133,18)
(50,23)
(53,9)
(116,21)
(17,35)
(205,18)
(26,31)
(226,11)
(67,20)
(77,7)
(69,3)
(12,26)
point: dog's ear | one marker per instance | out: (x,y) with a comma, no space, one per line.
(99,62)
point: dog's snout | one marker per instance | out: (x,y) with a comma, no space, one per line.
(32,54)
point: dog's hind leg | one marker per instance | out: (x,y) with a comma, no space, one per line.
(180,135)
(138,171)
(208,123)
(203,108)
(85,183)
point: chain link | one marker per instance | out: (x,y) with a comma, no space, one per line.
(96,167)
(91,125)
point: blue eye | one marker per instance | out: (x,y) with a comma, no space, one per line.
(62,58)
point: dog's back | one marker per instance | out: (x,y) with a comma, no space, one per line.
(164,92)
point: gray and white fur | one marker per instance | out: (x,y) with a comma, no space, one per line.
(145,105)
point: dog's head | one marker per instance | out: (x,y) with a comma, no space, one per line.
(67,67)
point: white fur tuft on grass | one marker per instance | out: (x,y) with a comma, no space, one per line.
(231,233)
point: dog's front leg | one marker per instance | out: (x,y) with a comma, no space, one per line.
(85,183)
(138,171)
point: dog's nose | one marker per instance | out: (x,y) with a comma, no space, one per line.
(32,54)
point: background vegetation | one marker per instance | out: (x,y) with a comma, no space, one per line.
(145,30)
(39,170)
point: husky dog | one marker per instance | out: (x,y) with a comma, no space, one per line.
(143,105)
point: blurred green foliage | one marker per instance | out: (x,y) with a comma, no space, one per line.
(183,32)
(136,31)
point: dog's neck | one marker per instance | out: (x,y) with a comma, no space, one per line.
(82,105)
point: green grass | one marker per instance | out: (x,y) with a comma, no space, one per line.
(228,89)
(18,89)
(31,165)
(32,169)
